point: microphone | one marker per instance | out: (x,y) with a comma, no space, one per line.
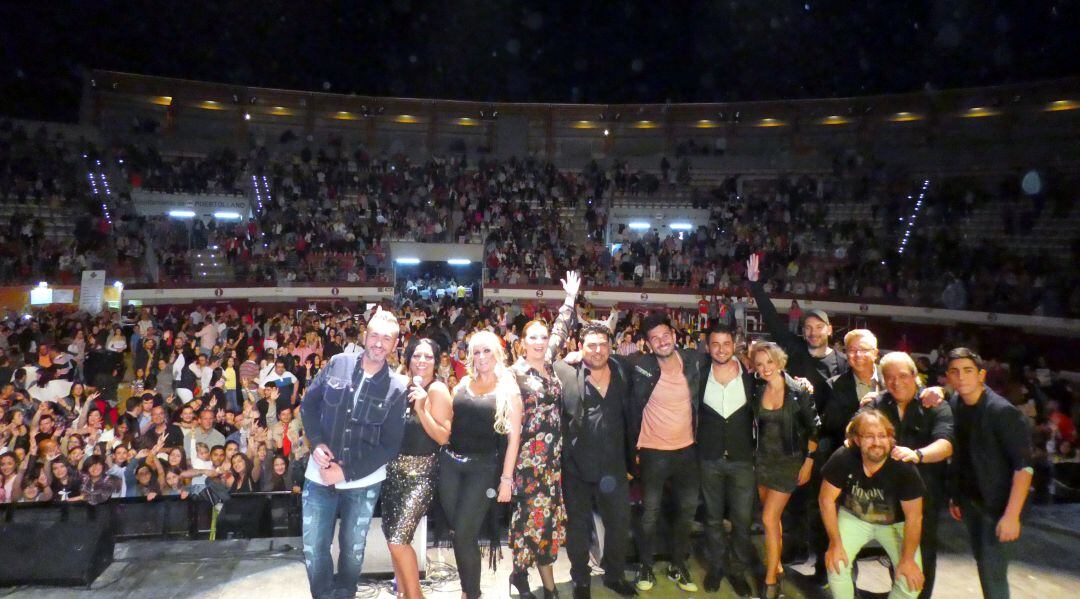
(419,382)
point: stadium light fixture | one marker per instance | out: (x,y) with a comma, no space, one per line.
(182,214)
(408,261)
(682,226)
(638,226)
(459,262)
(227,215)
(1061,105)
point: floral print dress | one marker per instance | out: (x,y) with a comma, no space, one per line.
(538,523)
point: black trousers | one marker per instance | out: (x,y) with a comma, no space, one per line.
(611,496)
(728,488)
(680,468)
(466,490)
(932,504)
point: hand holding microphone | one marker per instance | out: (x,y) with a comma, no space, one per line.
(417,394)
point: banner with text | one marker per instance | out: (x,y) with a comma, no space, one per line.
(92,291)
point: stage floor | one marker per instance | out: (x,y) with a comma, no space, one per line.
(1046,565)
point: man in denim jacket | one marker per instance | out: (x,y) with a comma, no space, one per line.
(354,416)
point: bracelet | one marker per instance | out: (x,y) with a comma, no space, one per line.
(506,479)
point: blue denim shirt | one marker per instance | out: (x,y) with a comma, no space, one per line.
(361,424)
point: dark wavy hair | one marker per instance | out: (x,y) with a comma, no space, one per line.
(415,342)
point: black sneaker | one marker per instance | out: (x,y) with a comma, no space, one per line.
(646,580)
(681,577)
(622,587)
(713,580)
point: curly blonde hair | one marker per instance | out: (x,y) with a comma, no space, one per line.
(506,382)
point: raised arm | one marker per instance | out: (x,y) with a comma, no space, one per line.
(769,316)
(560,329)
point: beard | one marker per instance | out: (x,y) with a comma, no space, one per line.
(875,455)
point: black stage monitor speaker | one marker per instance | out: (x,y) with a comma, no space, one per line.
(245,517)
(59,551)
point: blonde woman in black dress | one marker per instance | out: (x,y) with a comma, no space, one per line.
(787,429)
(411,476)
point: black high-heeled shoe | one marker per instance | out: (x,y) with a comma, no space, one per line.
(551,593)
(521,583)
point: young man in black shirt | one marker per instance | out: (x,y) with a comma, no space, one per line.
(991,469)
(867,495)
(726,454)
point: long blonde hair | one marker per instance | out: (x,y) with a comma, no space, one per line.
(506,386)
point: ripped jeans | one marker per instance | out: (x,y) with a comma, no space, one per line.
(322,505)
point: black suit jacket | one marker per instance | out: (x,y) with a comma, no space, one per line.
(644,372)
(613,446)
(1000,444)
(841,403)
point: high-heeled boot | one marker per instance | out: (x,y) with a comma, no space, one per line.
(520,581)
(551,593)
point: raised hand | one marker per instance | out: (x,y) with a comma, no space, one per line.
(753,267)
(571,284)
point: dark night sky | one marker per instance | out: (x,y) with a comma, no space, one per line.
(537,51)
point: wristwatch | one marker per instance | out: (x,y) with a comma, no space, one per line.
(918,453)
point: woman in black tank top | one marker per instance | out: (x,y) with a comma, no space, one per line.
(411,476)
(487,405)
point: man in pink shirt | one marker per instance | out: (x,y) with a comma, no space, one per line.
(666,386)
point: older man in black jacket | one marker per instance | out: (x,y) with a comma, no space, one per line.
(991,468)
(923,437)
(595,395)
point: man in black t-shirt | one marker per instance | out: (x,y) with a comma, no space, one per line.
(867,495)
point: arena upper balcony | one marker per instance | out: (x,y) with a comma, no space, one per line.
(926,133)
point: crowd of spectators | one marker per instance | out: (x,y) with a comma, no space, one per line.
(330,213)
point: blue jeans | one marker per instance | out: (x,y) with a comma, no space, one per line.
(322,505)
(230,399)
(991,555)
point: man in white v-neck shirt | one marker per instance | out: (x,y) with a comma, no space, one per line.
(726,454)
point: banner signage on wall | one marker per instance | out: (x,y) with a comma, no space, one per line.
(149,203)
(92,291)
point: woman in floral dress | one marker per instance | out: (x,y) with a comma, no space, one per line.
(538,524)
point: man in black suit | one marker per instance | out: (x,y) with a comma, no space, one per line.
(846,391)
(595,393)
(726,454)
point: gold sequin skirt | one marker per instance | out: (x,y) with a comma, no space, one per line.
(407,494)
